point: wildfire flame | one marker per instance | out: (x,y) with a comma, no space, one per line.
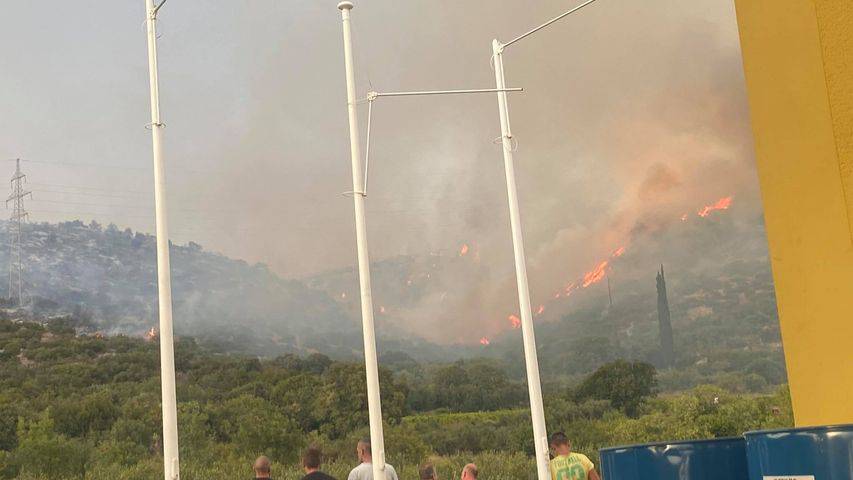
(599,272)
(596,274)
(484,341)
(464,250)
(381,309)
(721,204)
(151,334)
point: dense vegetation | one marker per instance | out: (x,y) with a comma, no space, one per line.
(79,406)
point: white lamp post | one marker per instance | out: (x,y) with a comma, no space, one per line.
(164,279)
(537,411)
(377,440)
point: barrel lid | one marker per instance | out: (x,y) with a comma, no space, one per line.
(679,442)
(818,428)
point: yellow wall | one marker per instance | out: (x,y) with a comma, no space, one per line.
(798,60)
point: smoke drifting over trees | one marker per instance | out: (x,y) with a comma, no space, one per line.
(633,115)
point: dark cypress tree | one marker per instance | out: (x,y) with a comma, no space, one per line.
(667,349)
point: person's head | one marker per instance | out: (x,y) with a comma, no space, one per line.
(427,472)
(262,467)
(362,449)
(470,472)
(311,459)
(560,444)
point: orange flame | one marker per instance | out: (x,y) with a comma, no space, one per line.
(540,310)
(684,218)
(596,274)
(515,321)
(618,252)
(151,334)
(381,309)
(464,250)
(722,204)
(484,341)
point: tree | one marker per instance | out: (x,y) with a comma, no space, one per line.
(625,384)
(342,402)
(254,427)
(42,452)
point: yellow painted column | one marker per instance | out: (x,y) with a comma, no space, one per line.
(798,60)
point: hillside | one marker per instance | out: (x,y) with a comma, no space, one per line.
(720,293)
(107,278)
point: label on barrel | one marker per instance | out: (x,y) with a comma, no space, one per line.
(789,477)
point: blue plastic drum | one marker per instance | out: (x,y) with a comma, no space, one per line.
(813,453)
(722,458)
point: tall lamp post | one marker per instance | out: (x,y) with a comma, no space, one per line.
(164,277)
(537,411)
(374,406)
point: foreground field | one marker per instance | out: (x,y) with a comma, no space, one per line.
(87,407)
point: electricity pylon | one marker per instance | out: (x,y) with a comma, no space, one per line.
(19,216)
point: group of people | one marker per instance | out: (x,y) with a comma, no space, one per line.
(565,464)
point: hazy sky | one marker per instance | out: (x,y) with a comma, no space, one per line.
(628,106)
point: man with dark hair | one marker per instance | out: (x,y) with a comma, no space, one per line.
(311,461)
(470,472)
(364,471)
(567,464)
(427,472)
(261,468)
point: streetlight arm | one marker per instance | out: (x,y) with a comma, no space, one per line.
(157,8)
(549,22)
(374,95)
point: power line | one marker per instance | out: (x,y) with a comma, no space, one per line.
(86,187)
(124,167)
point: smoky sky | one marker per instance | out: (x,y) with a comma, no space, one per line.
(630,107)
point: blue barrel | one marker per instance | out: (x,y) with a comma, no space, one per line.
(721,458)
(812,453)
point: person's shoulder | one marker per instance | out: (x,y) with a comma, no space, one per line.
(356,473)
(391,471)
(584,460)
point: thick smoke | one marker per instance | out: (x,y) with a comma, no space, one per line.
(633,114)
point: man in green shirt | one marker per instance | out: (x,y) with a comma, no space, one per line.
(567,465)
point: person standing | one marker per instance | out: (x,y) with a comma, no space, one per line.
(567,465)
(261,467)
(470,472)
(364,471)
(427,472)
(311,461)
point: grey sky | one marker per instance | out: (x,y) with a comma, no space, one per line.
(619,98)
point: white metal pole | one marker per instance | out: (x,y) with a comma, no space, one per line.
(164,282)
(377,441)
(537,411)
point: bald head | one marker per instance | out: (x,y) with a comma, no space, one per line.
(470,472)
(262,467)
